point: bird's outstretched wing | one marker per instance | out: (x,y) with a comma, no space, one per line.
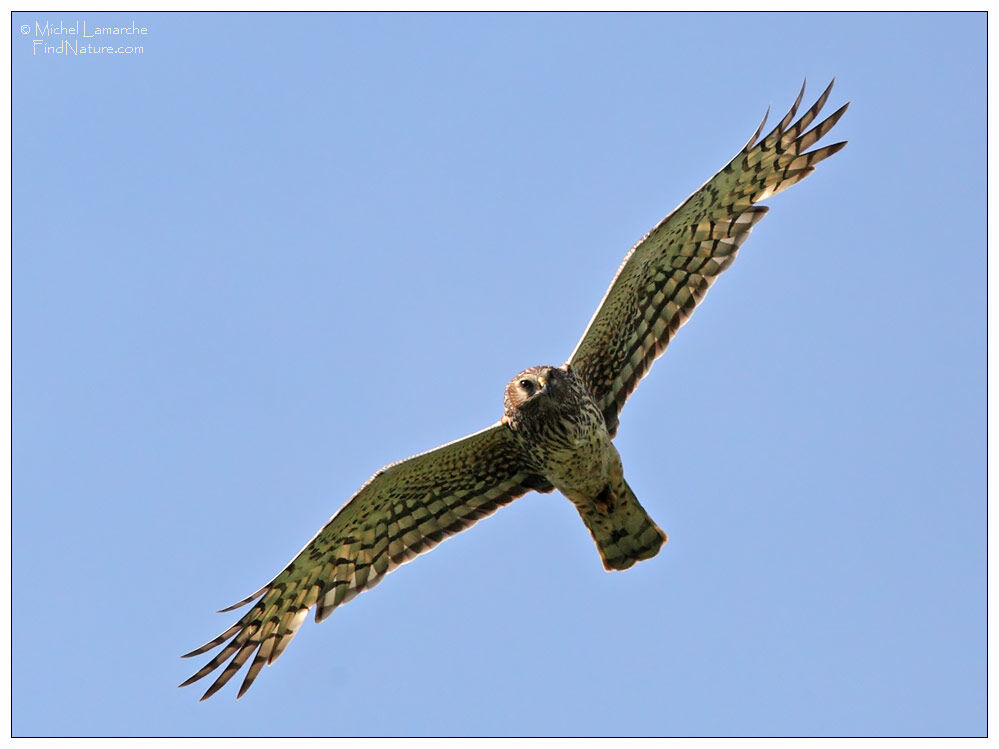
(667,273)
(403,510)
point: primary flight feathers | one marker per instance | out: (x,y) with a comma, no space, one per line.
(557,425)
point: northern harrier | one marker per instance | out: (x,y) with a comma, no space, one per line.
(558,422)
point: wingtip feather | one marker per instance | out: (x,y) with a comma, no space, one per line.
(214,643)
(759,130)
(244,602)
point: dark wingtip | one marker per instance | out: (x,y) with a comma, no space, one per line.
(211,690)
(759,130)
(235,606)
(829,88)
(245,601)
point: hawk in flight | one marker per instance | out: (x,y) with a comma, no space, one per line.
(558,423)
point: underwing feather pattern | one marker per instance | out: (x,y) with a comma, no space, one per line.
(668,272)
(558,422)
(405,509)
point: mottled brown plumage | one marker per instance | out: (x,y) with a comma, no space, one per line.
(557,425)
(669,270)
(563,438)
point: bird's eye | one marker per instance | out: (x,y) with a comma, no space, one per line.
(527,386)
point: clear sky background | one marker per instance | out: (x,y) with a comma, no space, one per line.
(273,253)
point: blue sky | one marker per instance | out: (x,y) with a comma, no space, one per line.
(272,253)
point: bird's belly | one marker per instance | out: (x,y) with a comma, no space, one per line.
(582,464)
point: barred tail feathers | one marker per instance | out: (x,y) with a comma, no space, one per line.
(623,531)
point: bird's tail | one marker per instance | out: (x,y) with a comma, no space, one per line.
(623,531)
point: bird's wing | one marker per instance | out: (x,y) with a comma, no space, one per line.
(403,510)
(667,273)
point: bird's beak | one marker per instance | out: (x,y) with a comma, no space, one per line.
(543,382)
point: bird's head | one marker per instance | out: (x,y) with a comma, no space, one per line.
(532,388)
